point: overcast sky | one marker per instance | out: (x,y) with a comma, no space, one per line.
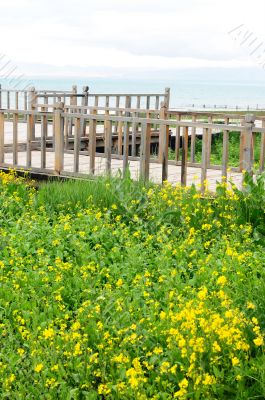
(117,37)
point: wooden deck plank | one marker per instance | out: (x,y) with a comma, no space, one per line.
(174,172)
(174,175)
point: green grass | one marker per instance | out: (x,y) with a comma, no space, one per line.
(217,150)
(72,195)
(115,290)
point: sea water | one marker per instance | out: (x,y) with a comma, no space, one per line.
(185,93)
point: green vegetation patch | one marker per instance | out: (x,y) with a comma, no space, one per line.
(114,290)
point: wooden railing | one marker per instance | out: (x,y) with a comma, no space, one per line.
(52,140)
(235,119)
(30,98)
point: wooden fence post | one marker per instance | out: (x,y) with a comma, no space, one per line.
(126,132)
(85,96)
(117,105)
(193,141)
(134,133)
(73,98)
(128,103)
(73,102)
(44,134)
(225,155)
(8,99)
(32,99)
(163,133)
(177,143)
(147,102)
(58,138)
(92,142)
(25,104)
(120,138)
(77,137)
(157,103)
(108,145)
(242,144)
(138,106)
(84,104)
(247,163)
(16,100)
(167,97)
(125,156)
(262,149)
(30,136)
(145,151)
(210,121)
(66,127)
(184,160)
(15,132)
(106,110)
(204,164)
(2,137)
(163,143)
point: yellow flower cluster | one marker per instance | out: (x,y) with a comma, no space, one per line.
(163,301)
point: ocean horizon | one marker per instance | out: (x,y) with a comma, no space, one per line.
(185,93)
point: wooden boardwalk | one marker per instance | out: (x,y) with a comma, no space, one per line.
(174,172)
(94,134)
(155,173)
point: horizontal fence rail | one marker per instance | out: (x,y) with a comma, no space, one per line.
(222,107)
(157,144)
(28,99)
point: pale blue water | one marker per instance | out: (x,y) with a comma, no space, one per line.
(183,93)
(187,89)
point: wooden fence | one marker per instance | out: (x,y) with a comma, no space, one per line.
(236,121)
(41,145)
(28,99)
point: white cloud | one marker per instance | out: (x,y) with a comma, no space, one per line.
(142,34)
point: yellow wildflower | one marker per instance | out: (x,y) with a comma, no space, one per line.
(258,341)
(38,367)
(221,280)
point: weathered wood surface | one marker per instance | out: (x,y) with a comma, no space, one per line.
(31,149)
(132,131)
(26,99)
(99,164)
(116,139)
(99,167)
